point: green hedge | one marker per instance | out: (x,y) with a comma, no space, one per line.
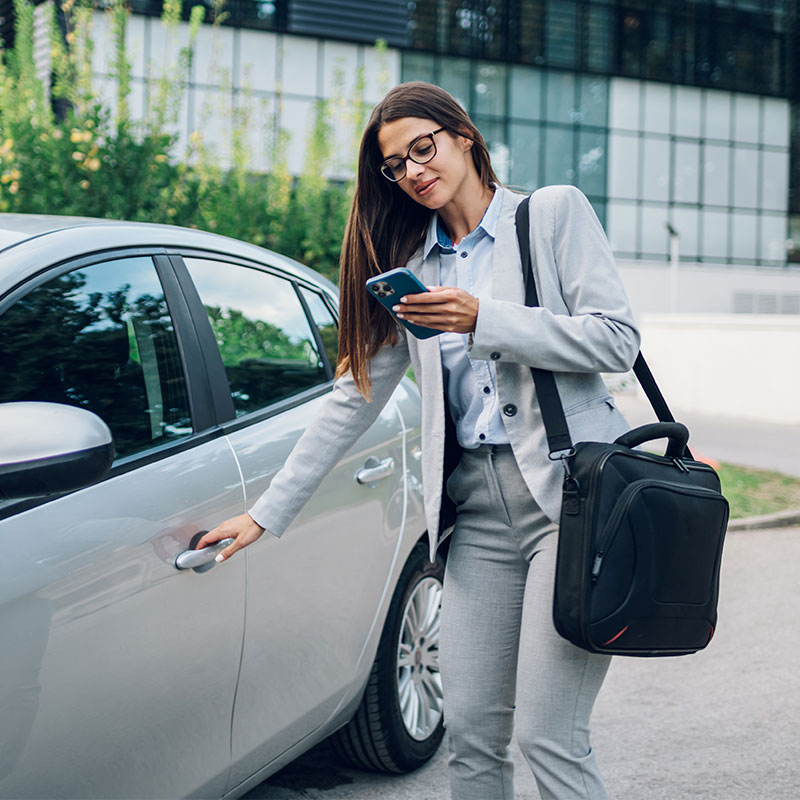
(94,159)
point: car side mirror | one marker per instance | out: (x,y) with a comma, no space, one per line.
(50,448)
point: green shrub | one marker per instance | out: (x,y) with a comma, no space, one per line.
(94,159)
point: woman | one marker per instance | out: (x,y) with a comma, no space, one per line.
(426,197)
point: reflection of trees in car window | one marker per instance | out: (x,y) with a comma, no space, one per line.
(100,338)
(326,324)
(266,342)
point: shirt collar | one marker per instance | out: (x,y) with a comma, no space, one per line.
(436,234)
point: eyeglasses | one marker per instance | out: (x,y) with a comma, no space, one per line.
(420,151)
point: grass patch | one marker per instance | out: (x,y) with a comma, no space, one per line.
(752,492)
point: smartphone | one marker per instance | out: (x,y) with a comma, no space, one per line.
(388,287)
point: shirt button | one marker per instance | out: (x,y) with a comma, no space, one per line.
(486,390)
(494,356)
(463,254)
(481,436)
(509,409)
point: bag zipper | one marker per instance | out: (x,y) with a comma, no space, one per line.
(609,532)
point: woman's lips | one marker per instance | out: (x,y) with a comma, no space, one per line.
(425,188)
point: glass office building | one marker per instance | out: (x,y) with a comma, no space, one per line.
(683,114)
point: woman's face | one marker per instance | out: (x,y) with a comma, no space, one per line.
(437,182)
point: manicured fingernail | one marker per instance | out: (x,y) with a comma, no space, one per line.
(219,558)
(400,316)
(395,308)
(403,299)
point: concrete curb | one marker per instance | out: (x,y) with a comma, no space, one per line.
(781,519)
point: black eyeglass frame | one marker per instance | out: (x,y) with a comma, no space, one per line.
(385,169)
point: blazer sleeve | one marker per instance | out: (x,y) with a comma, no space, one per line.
(597,332)
(341,420)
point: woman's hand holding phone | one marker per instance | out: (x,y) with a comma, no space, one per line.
(446,308)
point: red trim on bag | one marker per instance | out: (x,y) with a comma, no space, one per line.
(614,638)
(711,635)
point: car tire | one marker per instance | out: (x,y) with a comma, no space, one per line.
(399,724)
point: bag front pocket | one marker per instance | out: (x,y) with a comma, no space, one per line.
(658,555)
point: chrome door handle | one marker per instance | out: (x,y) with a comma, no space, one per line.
(375,470)
(201,560)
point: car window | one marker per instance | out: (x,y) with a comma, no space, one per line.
(265,339)
(100,338)
(325,322)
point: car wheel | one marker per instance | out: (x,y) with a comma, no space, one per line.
(399,724)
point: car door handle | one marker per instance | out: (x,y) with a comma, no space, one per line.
(375,470)
(201,560)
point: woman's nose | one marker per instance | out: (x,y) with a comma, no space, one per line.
(414,170)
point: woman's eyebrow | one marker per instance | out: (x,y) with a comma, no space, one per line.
(408,146)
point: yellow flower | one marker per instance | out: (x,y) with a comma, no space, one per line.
(5,177)
(77,156)
(44,137)
(161,158)
(92,164)
(90,123)
(8,144)
(58,133)
(75,136)
(84,184)
(87,136)
(14,188)
(15,174)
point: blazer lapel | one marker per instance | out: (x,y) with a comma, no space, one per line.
(507,283)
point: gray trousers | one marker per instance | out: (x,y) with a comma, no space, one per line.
(503,665)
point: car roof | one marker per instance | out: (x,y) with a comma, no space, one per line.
(27,239)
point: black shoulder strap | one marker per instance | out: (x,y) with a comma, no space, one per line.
(555,423)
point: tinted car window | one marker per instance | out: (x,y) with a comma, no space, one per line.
(100,338)
(264,336)
(325,322)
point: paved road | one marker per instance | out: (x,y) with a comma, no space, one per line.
(754,444)
(719,725)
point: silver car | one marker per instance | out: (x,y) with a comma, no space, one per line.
(153,379)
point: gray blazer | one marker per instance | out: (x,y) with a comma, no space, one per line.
(583,326)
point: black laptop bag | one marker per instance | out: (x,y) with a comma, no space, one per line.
(641,534)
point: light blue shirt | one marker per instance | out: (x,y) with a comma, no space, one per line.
(470,384)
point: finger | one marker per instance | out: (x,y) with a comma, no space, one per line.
(209,538)
(225,554)
(428,297)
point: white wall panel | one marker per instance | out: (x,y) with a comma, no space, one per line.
(298,71)
(257,60)
(623,165)
(657,108)
(775,126)
(715,234)
(685,221)
(212,64)
(688,111)
(745,177)
(717,115)
(623,112)
(656,168)
(773,238)
(716,174)
(746,118)
(744,232)
(382,72)
(774,180)
(687,172)
(339,63)
(654,231)
(622,225)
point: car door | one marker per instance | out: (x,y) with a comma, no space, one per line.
(312,596)
(118,670)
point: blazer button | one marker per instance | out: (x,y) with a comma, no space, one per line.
(509,409)
(494,356)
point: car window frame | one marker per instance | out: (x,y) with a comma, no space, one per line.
(196,379)
(215,368)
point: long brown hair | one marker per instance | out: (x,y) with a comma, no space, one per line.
(386,226)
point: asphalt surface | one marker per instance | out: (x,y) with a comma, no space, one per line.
(754,444)
(718,725)
(723,724)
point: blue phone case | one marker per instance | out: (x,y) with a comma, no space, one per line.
(388,287)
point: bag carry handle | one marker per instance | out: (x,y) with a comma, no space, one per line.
(555,423)
(676,432)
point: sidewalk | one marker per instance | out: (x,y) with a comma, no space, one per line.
(751,444)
